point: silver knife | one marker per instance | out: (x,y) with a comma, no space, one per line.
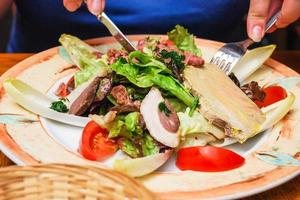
(116,33)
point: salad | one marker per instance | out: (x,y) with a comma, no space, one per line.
(163,99)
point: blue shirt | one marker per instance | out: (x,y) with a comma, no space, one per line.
(38,24)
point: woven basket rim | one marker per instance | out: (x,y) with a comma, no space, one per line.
(51,181)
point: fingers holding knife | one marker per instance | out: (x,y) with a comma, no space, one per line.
(94,6)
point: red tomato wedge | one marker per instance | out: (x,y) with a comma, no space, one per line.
(63,89)
(208,159)
(170,43)
(273,94)
(94,144)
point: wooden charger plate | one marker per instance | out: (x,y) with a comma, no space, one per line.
(46,141)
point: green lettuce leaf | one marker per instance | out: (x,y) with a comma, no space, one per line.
(129,148)
(89,72)
(149,146)
(174,87)
(142,77)
(192,124)
(184,40)
(196,139)
(143,60)
(132,121)
(85,57)
(194,106)
(117,128)
(145,76)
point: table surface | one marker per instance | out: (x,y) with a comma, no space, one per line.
(287,191)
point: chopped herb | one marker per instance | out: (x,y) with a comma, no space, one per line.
(59,106)
(164,109)
(176,59)
(122,60)
(194,106)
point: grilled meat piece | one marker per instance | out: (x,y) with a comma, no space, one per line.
(253,91)
(86,98)
(104,88)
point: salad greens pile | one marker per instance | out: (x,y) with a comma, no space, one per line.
(158,65)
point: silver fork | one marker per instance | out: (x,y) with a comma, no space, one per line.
(228,55)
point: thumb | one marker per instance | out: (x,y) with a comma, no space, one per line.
(95,6)
(256,20)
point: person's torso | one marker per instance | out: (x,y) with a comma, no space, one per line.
(39,24)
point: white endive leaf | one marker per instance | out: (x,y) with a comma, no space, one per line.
(277,111)
(38,103)
(141,166)
(251,61)
(274,113)
(225,142)
(196,139)
(286,82)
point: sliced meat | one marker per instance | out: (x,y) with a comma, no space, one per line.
(150,112)
(103,90)
(86,98)
(126,108)
(219,122)
(193,60)
(140,45)
(121,95)
(65,89)
(125,103)
(114,54)
(253,91)
(169,121)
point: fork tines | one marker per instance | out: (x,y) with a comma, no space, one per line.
(224,61)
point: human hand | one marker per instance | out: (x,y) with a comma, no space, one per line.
(260,11)
(95,6)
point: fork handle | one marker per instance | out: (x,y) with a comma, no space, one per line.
(272,21)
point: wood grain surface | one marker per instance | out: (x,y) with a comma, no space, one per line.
(287,191)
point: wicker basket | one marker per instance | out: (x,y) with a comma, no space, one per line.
(57,181)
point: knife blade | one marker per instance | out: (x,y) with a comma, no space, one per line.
(115,32)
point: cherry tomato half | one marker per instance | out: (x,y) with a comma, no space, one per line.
(94,144)
(63,89)
(208,159)
(273,94)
